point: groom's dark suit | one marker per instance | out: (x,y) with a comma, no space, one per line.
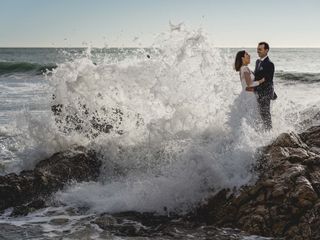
(264,69)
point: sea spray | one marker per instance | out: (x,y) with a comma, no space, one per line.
(169,143)
(175,145)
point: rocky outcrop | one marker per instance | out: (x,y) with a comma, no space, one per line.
(285,201)
(102,120)
(151,226)
(28,189)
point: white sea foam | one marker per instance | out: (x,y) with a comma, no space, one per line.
(172,109)
(182,147)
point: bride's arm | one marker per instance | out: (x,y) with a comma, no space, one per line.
(249,81)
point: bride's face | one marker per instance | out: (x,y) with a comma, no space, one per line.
(246,59)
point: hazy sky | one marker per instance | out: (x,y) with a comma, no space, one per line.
(55,23)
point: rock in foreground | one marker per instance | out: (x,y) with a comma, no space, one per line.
(49,175)
(285,201)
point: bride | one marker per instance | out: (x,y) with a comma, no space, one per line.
(246,105)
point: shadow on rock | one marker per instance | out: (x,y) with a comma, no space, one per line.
(29,189)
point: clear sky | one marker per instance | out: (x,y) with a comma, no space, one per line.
(229,23)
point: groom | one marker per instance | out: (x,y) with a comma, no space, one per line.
(265,92)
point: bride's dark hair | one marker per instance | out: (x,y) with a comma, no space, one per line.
(238,61)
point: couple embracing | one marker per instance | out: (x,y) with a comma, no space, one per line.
(257,87)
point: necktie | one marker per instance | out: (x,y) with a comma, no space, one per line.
(258,63)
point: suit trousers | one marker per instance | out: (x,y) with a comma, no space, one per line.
(264,108)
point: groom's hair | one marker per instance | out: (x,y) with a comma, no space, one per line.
(266,45)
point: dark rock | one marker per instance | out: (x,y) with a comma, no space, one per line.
(132,223)
(312,136)
(78,117)
(285,201)
(152,226)
(59,221)
(27,190)
(23,210)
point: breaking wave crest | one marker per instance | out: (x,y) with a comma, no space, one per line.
(159,121)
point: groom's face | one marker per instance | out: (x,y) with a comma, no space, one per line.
(262,52)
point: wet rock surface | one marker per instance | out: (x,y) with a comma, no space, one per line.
(285,201)
(28,190)
(152,226)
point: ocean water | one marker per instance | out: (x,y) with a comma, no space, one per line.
(170,146)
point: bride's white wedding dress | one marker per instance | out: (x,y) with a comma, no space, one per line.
(249,103)
(245,107)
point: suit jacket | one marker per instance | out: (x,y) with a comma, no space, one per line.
(264,70)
